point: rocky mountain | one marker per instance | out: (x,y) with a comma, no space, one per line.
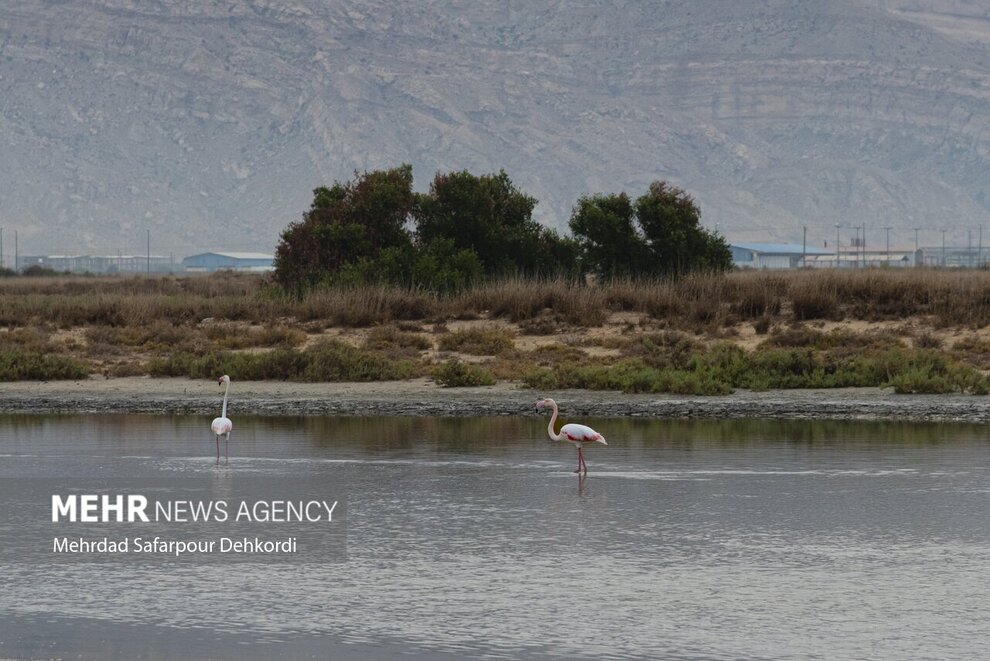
(210,122)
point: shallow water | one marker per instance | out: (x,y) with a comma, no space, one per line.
(471,537)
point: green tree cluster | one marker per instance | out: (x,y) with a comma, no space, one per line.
(658,235)
(375,228)
(348,230)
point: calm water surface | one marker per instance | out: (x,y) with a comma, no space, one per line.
(471,538)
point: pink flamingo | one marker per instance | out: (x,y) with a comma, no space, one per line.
(572,433)
(223,425)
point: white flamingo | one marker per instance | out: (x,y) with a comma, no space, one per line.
(572,433)
(223,425)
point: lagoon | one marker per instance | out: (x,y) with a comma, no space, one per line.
(470,537)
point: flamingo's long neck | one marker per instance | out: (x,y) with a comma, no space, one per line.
(553,421)
(226,387)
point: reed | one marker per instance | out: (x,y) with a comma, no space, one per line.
(949,297)
(190,324)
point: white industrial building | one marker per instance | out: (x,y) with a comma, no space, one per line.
(230,261)
(773,255)
(100,263)
(792,256)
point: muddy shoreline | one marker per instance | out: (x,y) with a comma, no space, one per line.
(423,398)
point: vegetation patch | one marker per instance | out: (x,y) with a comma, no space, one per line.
(329,361)
(18,364)
(231,336)
(544,324)
(839,338)
(672,341)
(393,340)
(724,367)
(478,341)
(454,373)
(972,350)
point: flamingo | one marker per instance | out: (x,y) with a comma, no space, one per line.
(572,433)
(223,425)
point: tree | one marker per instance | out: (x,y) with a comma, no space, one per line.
(489,216)
(671,225)
(469,227)
(659,235)
(440,266)
(346,228)
(604,228)
(556,255)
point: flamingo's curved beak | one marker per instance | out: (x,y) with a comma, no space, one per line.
(539,405)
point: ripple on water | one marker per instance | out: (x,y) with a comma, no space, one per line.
(702,548)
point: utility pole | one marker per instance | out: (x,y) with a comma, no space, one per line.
(863,248)
(1,247)
(943,247)
(979,258)
(969,247)
(149,251)
(855,243)
(917,262)
(17,254)
(887,227)
(837,226)
(804,247)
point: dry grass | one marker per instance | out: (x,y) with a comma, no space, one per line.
(396,343)
(121,325)
(698,302)
(478,341)
(974,351)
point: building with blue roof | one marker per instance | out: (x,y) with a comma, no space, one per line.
(773,255)
(230,261)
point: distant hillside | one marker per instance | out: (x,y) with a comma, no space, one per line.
(209,123)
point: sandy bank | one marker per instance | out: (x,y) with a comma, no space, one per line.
(422,397)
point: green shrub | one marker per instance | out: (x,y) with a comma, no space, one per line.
(330,361)
(919,381)
(670,349)
(724,366)
(335,361)
(540,379)
(454,373)
(17,364)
